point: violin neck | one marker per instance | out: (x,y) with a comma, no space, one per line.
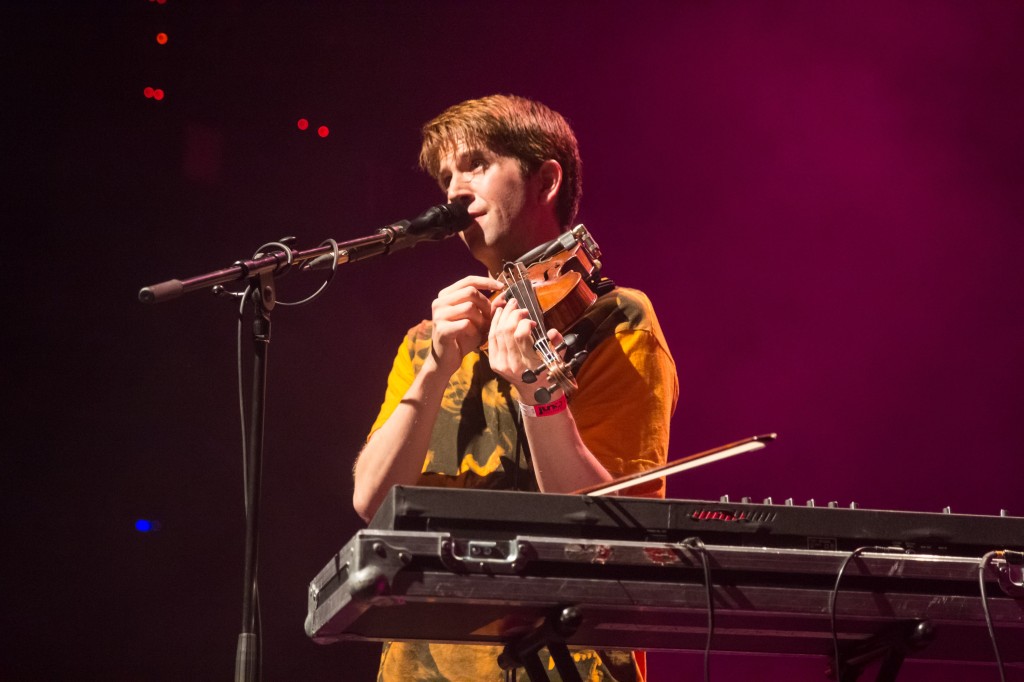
(520,288)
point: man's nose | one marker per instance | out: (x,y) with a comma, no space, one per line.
(459,191)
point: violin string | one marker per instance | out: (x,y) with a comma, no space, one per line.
(523,292)
(539,332)
(514,277)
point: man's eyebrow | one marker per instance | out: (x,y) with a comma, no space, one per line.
(471,152)
(462,157)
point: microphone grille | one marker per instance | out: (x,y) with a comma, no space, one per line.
(456,217)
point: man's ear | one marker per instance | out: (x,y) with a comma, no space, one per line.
(550,181)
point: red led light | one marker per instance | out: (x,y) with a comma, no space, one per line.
(161,38)
(323,131)
(148,92)
(158,94)
(302,124)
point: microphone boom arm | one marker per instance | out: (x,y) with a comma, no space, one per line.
(436,223)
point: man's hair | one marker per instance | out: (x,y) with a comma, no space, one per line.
(510,126)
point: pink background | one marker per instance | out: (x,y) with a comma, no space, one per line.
(823,200)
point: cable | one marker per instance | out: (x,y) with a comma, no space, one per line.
(335,251)
(243,299)
(241,400)
(983,564)
(697,544)
(834,596)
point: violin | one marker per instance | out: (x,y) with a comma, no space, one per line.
(555,283)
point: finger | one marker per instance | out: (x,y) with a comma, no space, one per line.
(474,282)
(453,297)
(497,334)
(555,338)
(506,351)
(462,311)
(499,302)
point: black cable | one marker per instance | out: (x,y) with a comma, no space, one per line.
(983,564)
(243,299)
(834,595)
(324,284)
(241,399)
(697,544)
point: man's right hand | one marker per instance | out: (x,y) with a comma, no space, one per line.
(461,316)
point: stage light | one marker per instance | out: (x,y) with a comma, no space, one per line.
(302,124)
(146,525)
(148,92)
(161,38)
(323,131)
(158,94)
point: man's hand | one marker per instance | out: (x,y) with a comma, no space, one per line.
(461,316)
(510,348)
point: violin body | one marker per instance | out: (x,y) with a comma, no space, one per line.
(556,290)
(561,283)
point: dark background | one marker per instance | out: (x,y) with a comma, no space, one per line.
(823,200)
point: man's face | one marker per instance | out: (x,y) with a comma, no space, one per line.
(509,210)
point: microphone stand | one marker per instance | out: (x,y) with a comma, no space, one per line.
(260,271)
(247,658)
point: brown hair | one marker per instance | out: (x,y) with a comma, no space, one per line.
(510,126)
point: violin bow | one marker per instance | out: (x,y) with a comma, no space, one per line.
(678,465)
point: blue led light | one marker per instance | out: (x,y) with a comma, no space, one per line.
(144,525)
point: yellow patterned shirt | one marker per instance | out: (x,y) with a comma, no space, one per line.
(627,393)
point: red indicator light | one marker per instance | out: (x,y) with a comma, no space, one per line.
(302,124)
(161,38)
(158,94)
(148,92)
(323,131)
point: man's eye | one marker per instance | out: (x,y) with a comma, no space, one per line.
(478,162)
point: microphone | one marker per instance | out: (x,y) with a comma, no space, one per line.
(436,223)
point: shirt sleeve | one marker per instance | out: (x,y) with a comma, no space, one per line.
(399,380)
(628,392)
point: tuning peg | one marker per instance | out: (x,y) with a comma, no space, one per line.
(577,361)
(567,341)
(530,376)
(543,395)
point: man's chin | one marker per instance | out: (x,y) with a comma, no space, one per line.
(472,236)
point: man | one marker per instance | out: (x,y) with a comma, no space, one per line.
(456,417)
